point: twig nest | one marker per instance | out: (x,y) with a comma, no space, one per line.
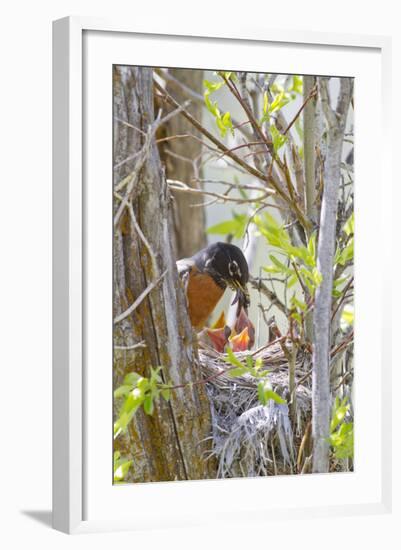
(250,439)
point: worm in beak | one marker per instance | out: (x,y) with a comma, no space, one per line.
(241,297)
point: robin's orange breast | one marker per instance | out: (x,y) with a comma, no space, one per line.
(203,294)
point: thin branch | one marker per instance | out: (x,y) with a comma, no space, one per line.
(130,125)
(343,297)
(139,300)
(134,346)
(263,289)
(142,156)
(312,94)
(183,187)
(199,98)
(143,239)
(210,136)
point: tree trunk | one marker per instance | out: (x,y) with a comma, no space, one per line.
(321,402)
(309,116)
(167,445)
(189,221)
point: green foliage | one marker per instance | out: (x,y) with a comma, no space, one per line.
(277,138)
(297,264)
(344,255)
(341,432)
(345,249)
(299,261)
(347,317)
(223,120)
(253,367)
(137,391)
(235,227)
(265,393)
(121,467)
(296,86)
(276,105)
(282,97)
(229,75)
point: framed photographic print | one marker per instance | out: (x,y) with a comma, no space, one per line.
(218,336)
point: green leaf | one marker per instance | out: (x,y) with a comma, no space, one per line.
(132,378)
(212,86)
(122,391)
(121,467)
(142,384)
(227,120)
(312,245)
(292,281)
(148,405)
(300,304)
(166,394)
(340,409)
(349,225)
(347,316)
(265,393)
(283,268)
(277,138)
(271,221)
(232,359)
(265,103)
(211,107)
(296,85)
(317,276)
(347,254)
(235,226)
(271,269)
(261,393)
(155,377)
(297,317)
(270,394)
(239,371)
(229,75)
(340,281)
(278,103)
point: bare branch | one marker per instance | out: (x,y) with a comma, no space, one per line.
(257,284)
(139,300)
(199,98)
(133,347)
(184,188)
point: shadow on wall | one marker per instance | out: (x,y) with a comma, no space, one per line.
(41,516)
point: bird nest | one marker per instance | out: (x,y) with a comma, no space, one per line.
(250,439)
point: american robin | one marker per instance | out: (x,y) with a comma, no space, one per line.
(206,276)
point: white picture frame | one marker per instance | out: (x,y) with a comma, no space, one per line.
(70,256)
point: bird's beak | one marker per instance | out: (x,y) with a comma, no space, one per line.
(241,297)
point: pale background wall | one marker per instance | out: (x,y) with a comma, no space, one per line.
(25,103)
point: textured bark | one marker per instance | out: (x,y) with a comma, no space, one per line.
(169,444)
(189,221)
(321,403)
(309,148)
(309,114)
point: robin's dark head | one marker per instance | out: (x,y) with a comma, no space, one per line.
(228,267)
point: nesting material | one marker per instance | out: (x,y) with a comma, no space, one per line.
(250,439)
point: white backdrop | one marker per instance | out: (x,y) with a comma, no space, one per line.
(25,103)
